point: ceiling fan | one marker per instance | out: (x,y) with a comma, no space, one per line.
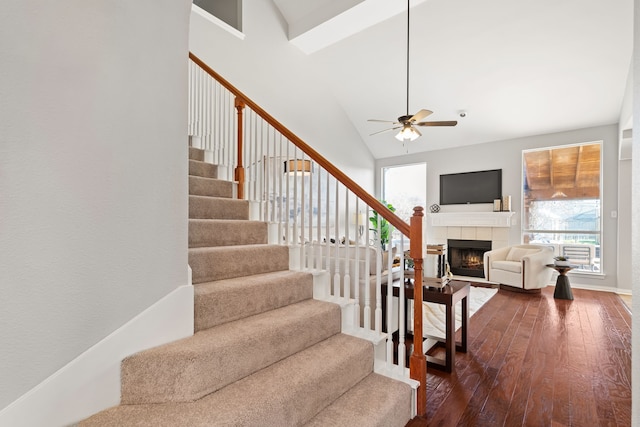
(407,122)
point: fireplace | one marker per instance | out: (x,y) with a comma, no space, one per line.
(466,256)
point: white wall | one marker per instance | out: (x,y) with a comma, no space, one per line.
(507,155)
(93,174)
(624,191)
(267,68)
(635,222)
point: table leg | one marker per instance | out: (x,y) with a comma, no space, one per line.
(563,288)
(450,341)
(463,327)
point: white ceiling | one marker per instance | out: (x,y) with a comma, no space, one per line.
(517,68)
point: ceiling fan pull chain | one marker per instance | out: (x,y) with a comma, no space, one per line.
(407,122)
(408,12)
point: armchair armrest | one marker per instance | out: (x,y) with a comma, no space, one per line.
(534,268)
(493,255)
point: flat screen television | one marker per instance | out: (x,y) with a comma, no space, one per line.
(471,187)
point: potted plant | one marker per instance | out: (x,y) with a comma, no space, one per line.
(384,225)
(561,261)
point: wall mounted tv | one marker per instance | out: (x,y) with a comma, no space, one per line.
(471,187)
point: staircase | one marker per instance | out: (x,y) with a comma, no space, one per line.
(264,352)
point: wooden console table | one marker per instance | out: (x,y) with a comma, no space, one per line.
(449,295)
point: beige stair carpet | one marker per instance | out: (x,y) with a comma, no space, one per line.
(226,300)
(264,352)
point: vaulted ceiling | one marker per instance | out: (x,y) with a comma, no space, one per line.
(517,68)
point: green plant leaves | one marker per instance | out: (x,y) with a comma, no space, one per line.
(384,224)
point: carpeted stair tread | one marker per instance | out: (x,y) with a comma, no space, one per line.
(193,367)
(376,401)
(223,301)
(203,207)
(199,168)
(227,262)
(211,187)
(196,154)
(224,232)
(287,393)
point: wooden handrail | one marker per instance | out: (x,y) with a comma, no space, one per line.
(374,203)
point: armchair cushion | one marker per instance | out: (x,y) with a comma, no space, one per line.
(516,253)
(513,266)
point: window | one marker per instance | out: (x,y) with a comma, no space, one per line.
(562,202)
(405,187)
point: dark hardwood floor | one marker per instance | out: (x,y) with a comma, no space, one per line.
(537,361)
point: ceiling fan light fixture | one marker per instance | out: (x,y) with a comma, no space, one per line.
(408,132)
(407,122)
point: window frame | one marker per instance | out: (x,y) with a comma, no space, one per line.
(600,232)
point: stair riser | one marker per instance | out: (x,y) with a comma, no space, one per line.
(217,208)
(315,383)
(184,372)
(287,393)
(199,186)
(207,233)
(196,154)
(226,301)
(209,264)
(391,400)
(205,170)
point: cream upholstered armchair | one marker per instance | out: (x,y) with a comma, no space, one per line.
(520,266)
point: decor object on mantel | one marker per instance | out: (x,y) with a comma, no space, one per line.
(506,204)
(407,122)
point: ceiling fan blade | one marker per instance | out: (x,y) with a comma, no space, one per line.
(382,121)
(442,123)
(420,115)
(386,130)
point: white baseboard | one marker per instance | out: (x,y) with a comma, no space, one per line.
(598,288)
(91,382)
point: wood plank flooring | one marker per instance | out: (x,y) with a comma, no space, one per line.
(537,361)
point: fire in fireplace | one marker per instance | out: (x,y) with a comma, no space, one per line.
(466,256)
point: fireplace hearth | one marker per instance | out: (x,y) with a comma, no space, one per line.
(466,256)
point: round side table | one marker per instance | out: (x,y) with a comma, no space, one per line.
(563,288)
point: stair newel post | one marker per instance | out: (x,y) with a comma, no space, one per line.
(418,361)
(239,171)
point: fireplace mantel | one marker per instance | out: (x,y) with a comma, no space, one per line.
(470,219)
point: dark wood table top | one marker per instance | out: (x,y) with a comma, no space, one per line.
(562,269)
(450,293)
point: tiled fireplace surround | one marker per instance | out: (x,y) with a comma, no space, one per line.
(493,226)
